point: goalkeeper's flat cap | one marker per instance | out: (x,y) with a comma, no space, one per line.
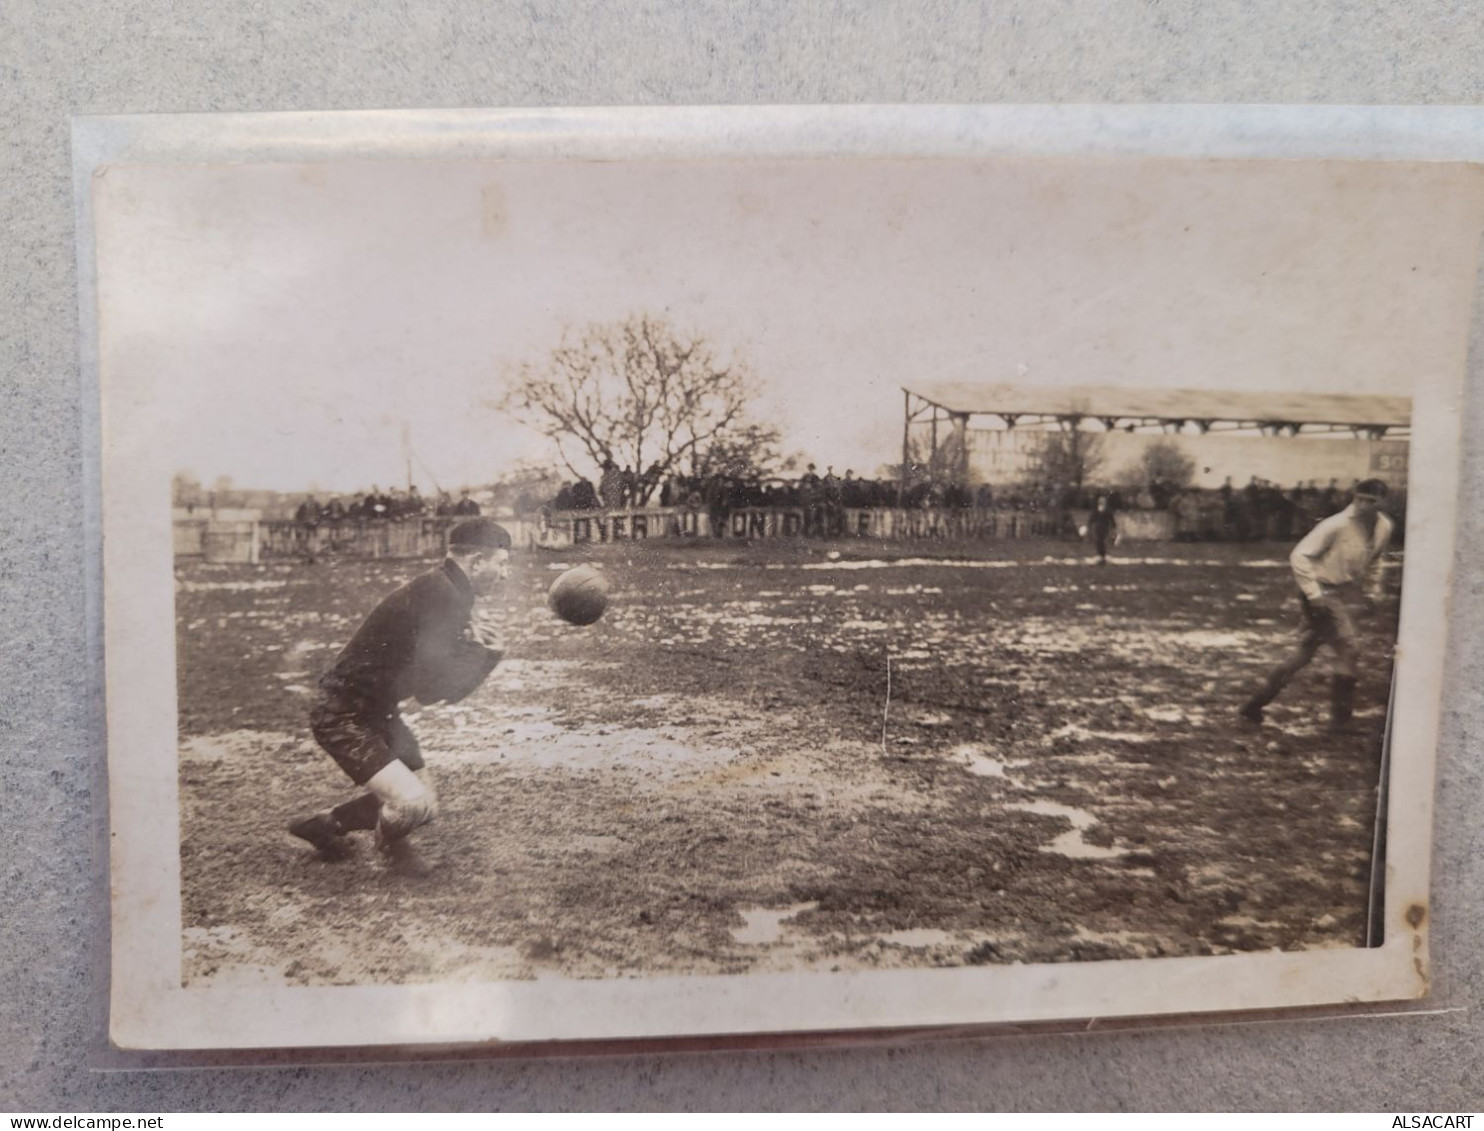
(478,534)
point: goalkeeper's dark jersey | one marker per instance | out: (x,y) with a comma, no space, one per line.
(416,644)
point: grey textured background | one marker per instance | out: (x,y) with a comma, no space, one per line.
(118,56)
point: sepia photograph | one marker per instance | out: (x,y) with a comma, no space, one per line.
(905,720)
(567,598)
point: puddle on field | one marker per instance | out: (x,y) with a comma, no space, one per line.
(1250,922)
(1069,844)
(525,675)
(1166,713)
(980,764)
(1093,758)
(1142,646)
(922,936)
(765,925)
(1082,734)
(759,620)
(228,586)
(659,702)
(1139,943)
(1205,638)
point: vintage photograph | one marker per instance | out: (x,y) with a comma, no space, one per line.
(733,715)
(573,573)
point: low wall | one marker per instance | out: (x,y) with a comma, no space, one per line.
(220,541)
(567,528)
(1146,526)
(418,538)
(216,540)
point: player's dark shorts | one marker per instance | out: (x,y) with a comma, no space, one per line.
(363,737)
(1325,625)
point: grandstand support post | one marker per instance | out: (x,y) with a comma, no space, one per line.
(933,450)
(906,446)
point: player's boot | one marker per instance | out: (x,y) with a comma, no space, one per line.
(322,831)
(1341,703)
(1252,710)
(400,855)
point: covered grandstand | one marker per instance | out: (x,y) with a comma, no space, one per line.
(970,432)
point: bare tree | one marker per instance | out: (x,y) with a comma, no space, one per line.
(1071,456)
(745,451)
(637,392)
(185,489)
(1165,463)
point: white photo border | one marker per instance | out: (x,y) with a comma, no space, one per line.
(149,1008)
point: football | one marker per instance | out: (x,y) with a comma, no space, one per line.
(579,595)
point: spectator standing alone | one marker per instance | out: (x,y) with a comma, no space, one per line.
(1102,524)
(610,486)
(718,504)
(810,499)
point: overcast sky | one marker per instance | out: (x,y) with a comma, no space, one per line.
(285,321)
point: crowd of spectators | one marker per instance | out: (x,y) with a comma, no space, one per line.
(617,488)
(1259,509)
(1262,509)
(621,487)
(379,506)
(822,497)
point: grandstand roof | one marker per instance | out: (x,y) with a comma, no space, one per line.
(1114,402)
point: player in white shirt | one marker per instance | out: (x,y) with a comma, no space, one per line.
(1329,566)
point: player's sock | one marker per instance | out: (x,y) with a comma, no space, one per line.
(1341,699)
(361,813)
(1264,695)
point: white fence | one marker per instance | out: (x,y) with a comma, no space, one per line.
(245,540)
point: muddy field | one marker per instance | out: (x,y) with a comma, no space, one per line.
(784,757)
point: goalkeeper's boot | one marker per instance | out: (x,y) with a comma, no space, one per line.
(323,832)
(399,854)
